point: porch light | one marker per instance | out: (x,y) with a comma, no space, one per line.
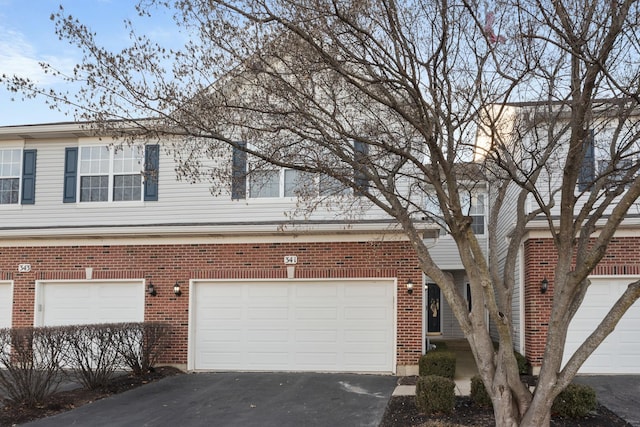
(544,285)
(176,289)
(409,287)
(151,290)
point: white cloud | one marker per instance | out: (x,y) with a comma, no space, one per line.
(21,58)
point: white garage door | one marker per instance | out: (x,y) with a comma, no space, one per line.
(620,351)
(72,303)
(343,326)
(6,304)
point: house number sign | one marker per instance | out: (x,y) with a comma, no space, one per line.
(24,268)
(290,259)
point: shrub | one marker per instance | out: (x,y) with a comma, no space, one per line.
(576,401)
(141,344)
(93,354)
(440,362)
(524,368)
(31,363)
(479,394)
(435,394)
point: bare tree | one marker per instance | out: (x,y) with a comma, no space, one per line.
(387,98)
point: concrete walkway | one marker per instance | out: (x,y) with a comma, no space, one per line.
(618,393)
(465,369)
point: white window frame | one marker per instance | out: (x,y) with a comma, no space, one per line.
(11,175)
(474,213)
(110,172)
(468,201)
(282,184)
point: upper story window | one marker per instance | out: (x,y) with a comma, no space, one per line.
(292,183)
(477,213)
(473,204)
(110,175)
(616,174)
(17,173)
(282,182)
(10,162)
(587,172)
(106,174)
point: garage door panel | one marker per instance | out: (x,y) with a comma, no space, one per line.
(316,360)
(362,336)
(223,313)
(320,313)
(264,360)
(620,351)
(363,313)
(217,338)
(316,336)
(313,292)
(267,290)
(311,329)
(90,302)
(6,304)
(267,336)
(354,358)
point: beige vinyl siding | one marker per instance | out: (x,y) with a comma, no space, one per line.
(445,252)
(179,202)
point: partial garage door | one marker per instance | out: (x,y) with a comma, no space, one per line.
(343,326)
(620,352)
(6,304)
(72,303)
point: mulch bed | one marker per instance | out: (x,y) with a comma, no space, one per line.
(11,414)
(402,412)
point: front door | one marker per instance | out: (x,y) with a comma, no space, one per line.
(433,309)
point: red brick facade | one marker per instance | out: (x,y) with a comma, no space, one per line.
(166,264)
(540,256)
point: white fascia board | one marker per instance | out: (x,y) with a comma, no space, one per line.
(209,233)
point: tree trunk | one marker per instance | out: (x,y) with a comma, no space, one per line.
(538,414)
(504,410)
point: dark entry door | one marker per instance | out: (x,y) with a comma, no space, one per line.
(433,309)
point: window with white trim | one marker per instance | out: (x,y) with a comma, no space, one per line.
(477,212)
(616,175)
(10,166)
(107,174)
(472,203)
(292,183)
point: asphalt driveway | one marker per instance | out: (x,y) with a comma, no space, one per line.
(619,393)
(241,399)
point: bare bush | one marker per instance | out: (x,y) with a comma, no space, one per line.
(141,344)
(30,363)
(93,354)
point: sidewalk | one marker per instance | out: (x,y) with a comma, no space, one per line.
(465,369)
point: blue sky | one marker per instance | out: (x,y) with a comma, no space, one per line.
(27,37)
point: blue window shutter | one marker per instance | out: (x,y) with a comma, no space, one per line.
(239,172)
(360,153)
(70,174)
(151,166)
(28,177)
(588,168)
